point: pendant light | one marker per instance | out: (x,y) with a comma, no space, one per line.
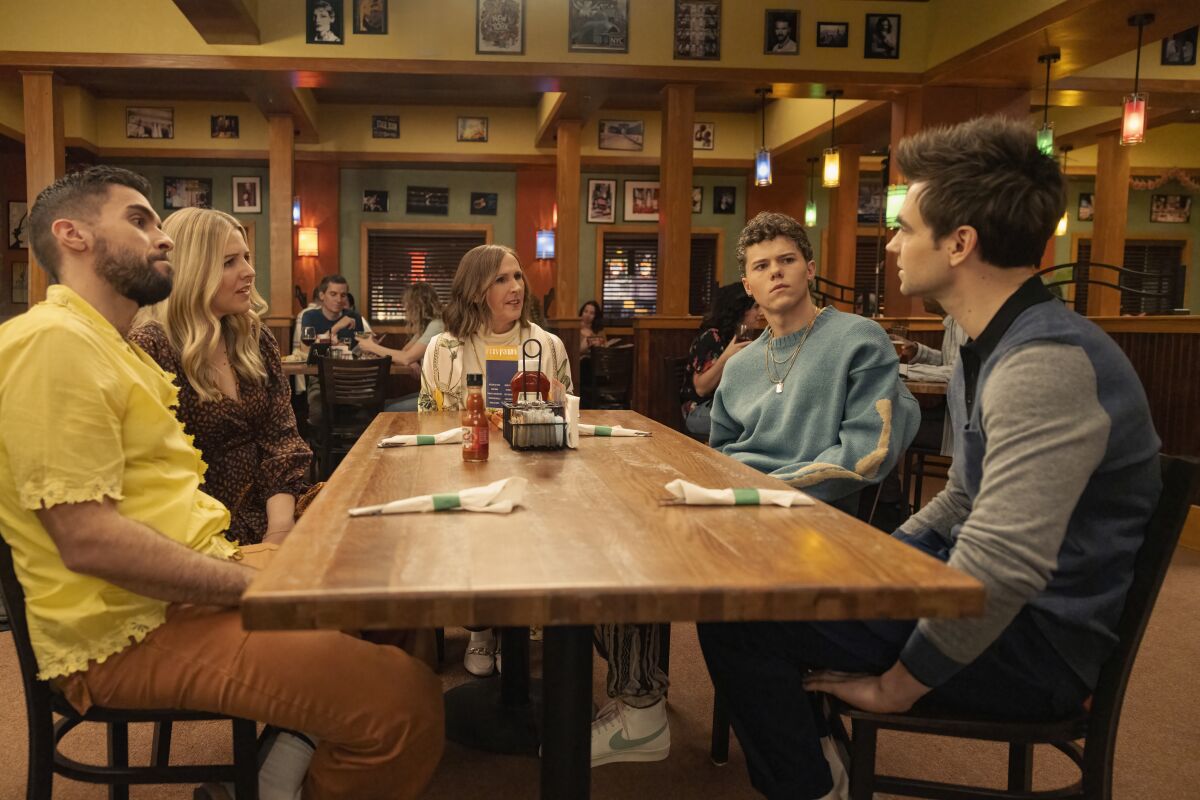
(762,159)
(1045,134)
(831,173)
(1061,228)
(1133,122)
(810,208)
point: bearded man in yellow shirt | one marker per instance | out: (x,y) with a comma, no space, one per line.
(131,588)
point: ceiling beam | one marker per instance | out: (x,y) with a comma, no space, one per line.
(868,124)
(221,21)
(1085,137)
(273,93)
(570,105)
(1164,93)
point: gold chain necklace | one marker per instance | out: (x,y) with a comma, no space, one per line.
(774,377)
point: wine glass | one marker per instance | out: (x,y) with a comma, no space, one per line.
(308,335)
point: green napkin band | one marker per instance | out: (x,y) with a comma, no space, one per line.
(445,502)
(425,439)
(746,497)
(603,430)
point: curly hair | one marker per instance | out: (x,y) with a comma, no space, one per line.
(729,304)
(770,225)
(989,174)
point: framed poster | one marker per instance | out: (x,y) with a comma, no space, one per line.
(1171,208)
(621,134)
(598,26)
(20,281)
(427,200)
(1180,50)
(18,225)
(484,203)
(704,135)
(370,17)
(883,36)
(384,127)
(374,200)
(780,37)
(223,126)
(247,195)
(833,34)
(641,201)
(1085,207)
(187,193)
(472,129)
(602,205)
(500,27)
(697,199)
(724,199)
(698,29)
(144,122)
(324,24)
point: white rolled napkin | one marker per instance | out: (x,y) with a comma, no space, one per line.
(495,498)
(609,430)
(452,436)
(692,495)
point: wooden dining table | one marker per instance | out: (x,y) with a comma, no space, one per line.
(293,368)
(929,388)
(592,542)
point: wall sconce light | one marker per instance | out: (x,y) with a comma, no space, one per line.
(1061,228)
(1045,134)
(810,207)
(896,193)
(831,174)
(306,242)
(544,245)
(1133,122)
(762,159)
(296,210)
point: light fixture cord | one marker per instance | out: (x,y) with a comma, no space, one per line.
(1137,65)
(833,125)
(1046,105)
(763,94)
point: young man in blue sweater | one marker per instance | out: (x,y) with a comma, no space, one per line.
(816,400)
(1054,478)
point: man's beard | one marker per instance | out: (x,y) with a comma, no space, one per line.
(132,276)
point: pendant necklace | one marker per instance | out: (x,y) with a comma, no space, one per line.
(790,360)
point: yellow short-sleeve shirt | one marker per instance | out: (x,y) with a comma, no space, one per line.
(85,415)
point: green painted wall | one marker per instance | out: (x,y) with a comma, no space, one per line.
(731,223)
(1138,225)
(222,200)
(396,182)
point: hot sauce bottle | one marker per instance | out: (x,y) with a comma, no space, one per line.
(475,421)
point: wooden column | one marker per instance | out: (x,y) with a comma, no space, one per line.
(675,199)
(45,153)
(566,244)
(1111,205)
(843,218)
(282,152)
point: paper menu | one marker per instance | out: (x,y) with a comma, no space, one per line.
(499,370)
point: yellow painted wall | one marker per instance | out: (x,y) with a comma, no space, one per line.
(1073,118)
(736,135)
(445,29)
(426,129)
(12,108)
(1123,65)
(193,130)
(79,114)
(959,25)
(788,118)
(1175,145)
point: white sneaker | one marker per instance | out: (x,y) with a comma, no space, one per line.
(480,658)
(625,733)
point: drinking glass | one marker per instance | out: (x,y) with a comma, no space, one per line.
(308,335)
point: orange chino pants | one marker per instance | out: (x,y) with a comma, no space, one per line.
(376,710)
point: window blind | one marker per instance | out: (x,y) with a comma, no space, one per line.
(397,259)
(1160,259)
(703,281)
(629,287)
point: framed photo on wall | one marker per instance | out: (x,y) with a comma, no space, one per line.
(374,200)
(833,34)
(224,126)
(883,36)
(1085,207)
(472,129)
(247,195)
(145,122)
(18,225)
(1171,208)
(641,201)
(697,199)
(187,193)
(484,203)
(427,200)
(621,134)
(325,23)
(1180,50)
(500,27)
(698,29)
(384,127)
(598,26)
(370,17)
(20,281)
(781,32)
(704,135)
(724,199)
(602,201)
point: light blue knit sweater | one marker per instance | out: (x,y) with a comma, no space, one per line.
(842,420)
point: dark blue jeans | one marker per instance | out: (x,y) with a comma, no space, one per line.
(758,669)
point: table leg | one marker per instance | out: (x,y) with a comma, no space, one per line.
(567,713)
(498,715)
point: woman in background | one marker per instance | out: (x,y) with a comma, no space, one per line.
(424,313)
(233,397)
(591,327)
(722,334)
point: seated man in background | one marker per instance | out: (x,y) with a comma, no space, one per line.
(332,318)
(131,587)
(816,399)
(919,362)
(1054,479)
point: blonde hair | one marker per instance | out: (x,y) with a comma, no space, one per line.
(421,306)
(467,310)
(192,328)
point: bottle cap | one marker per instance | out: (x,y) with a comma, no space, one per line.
(475,379)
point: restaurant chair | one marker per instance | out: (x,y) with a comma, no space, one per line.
(612,378)
(42,702)
(353,391)
(1096,724)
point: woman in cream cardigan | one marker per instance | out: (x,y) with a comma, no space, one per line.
(486,308)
